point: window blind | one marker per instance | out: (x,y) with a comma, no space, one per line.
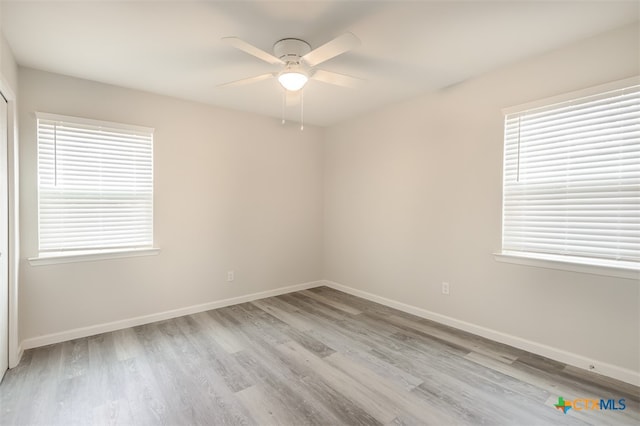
(95,185)
(572,178)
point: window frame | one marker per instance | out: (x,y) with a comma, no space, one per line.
(79,254)
(620,269)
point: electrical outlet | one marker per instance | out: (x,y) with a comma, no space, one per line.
(445,288)
(230,276)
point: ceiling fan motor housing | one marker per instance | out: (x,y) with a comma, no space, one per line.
(291,49)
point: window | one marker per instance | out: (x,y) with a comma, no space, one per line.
(572,179)
(95,186)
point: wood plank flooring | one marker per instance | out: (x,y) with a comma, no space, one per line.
(315,357)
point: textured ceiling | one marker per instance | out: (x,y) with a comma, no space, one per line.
(408,48)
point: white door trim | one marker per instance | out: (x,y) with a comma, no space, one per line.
(15,352)
(4,240)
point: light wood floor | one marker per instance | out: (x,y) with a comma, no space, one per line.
(312,357)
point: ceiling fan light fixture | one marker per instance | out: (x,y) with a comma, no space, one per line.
(293,80)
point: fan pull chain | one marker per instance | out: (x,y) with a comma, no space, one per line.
(301,110)
(284,104)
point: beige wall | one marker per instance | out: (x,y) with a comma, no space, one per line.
(233,191)
(413,198)
(8,67)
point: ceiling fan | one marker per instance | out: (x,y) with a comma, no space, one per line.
(298,62)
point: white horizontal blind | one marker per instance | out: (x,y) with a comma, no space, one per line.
(95,185)
(572,178)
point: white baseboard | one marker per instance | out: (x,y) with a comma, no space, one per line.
(609,370)
(92,330)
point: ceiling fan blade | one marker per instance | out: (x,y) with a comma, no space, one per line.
(335,47)
(247,80)
(337,79)
(252,50)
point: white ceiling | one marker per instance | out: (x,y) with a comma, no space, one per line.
(408,48)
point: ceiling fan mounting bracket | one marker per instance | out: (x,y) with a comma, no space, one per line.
(291,49)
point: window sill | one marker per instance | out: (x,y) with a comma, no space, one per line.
(90,256)
(610,269)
